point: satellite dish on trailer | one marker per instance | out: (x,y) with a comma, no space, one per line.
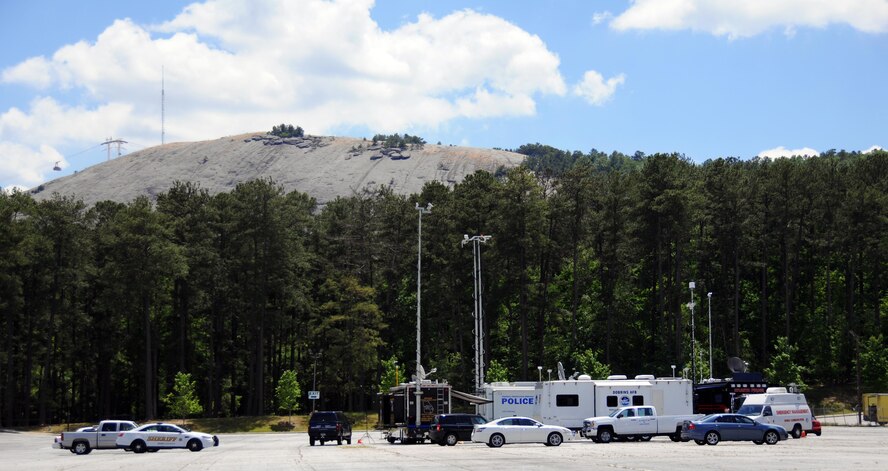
(421,374)
(736,365)
(560,371)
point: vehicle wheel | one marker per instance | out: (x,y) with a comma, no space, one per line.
(451,439)
(712,438)
(818,433)
(391,440)
(497,440)
(81,448)
(339,441)
(675,437)
(645,438)
(605,436)
(348,441)
(758,442)
(700,442)
(771,437)
(442,443)
(554,439)
(139,446)
(797,431)
(322,442)
(311,441)
(195,445)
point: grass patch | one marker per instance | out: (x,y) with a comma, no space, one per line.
(257,424)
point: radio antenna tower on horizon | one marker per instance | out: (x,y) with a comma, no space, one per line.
(162,107)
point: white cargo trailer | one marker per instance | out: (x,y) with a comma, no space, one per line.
(509,400)
(568,402)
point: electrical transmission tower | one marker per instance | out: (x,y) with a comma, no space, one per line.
(110,141)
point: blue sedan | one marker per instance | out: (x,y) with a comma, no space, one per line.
(731,427)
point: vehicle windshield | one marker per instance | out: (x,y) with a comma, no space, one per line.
(322,418)
(750,410)
(614,413)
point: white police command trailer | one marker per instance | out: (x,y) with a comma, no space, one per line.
(509,400)
(568,402)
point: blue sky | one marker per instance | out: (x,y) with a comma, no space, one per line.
(707,78)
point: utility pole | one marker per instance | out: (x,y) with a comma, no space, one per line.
(709,304)
(314,381)
(419,371)
(479,309)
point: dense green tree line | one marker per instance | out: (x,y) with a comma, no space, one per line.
(102,307)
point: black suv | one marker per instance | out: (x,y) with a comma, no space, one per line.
(326,426)
(447,429)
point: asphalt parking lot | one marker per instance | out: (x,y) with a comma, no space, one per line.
(845,448)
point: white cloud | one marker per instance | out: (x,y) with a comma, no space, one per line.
(737,19)
(781,151)
(595,90)
(601,16)
(873,148)
(235,66)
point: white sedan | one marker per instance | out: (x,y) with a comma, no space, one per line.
(154,437)
(519,430)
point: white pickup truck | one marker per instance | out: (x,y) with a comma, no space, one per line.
(102,436)
(634,423)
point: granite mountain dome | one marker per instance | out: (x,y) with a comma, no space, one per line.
(321,166)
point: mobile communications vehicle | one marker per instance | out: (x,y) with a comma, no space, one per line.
(716,395)
(324,426)
(397,409)
(715,428)
(448,429)
(567,402)
(779,407)
(87,439)
(635,423)
(520,430)
(158,436)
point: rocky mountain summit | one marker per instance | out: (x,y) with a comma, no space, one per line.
(322,166)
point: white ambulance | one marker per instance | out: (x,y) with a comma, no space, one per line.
(779,407)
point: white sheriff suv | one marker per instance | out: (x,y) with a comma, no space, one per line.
(159,436)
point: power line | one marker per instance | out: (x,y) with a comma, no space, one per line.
(82,152)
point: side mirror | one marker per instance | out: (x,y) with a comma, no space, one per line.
(539,425)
